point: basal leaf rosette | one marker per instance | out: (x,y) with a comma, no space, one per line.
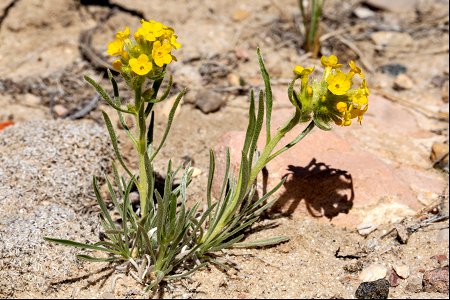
(146,53)
(331,99)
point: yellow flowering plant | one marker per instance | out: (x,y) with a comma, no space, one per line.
(164,239)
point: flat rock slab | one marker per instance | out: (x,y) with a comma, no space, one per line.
(376,173)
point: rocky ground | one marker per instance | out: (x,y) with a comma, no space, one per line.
(365,207)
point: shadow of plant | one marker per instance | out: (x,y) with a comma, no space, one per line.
(327,192)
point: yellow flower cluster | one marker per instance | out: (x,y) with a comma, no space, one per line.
(148,53)
(332,98)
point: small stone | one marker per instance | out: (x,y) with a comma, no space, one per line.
(441,258)
(393,278)
(196,172)
(353,267)
(234,79)
(439,155)
(398,6)
(60,110)
(208,101)
(414,285)
(403,271)
(444,92)
(436,280)
(392,69)
(403,82)
(402,233)
(392,39)
(31,100)
(363,12)
(365,229)
(373,272)
(442,236)
(240,15)
(378,289)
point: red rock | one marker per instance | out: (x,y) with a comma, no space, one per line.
(440,258)
(436,280)
(370,173)
(393,278)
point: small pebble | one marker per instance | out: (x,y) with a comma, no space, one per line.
(365,229)
(240,15)
(441,258)
(403,82)
(402,270)
(60,110)
(196,172)
(414,285)
(209,102)
(363,12)
(373,272)
(393,69)
(31,100)
(394,280)
(436,280)
(378,289)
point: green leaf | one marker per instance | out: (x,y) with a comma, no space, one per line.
(268,90)
(104,95)
(113,137)
(251,124)
(79,245)
(258,127)
(166,92)
(212,164)
(262,243)
(151,128)
(102,204)
(96,259)
(319,123)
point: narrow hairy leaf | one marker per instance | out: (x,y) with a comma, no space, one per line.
(212,164)
(79,245)
(262,243)
(96,259)
(258,127)
(113,137)
(102,203)
(104,95)
(268,90)
(251,124)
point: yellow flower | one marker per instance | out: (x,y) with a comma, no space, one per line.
(359,99)
(161,53)
(341,106)
(141,65)
(338,83)
(122,35)
(330,62)
(117,64)
(355,70)
(151,30)
(115,47)
(174,43)
(299,70)
(364,88)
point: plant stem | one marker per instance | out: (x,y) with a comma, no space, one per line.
(259,165)
(142,150)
